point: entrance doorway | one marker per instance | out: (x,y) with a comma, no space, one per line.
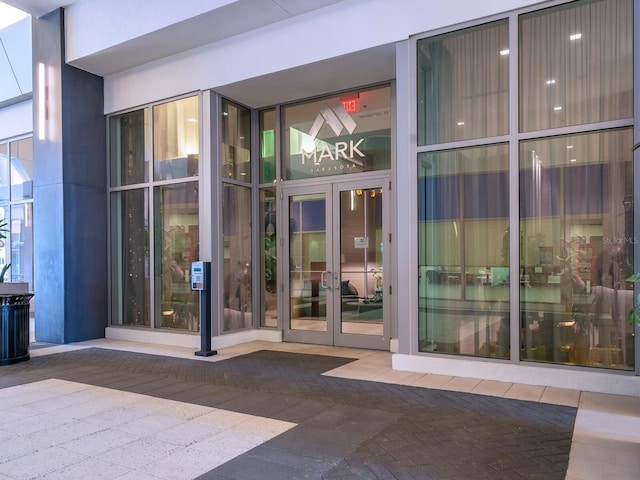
(334,284)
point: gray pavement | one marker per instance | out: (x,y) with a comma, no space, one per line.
(267,414)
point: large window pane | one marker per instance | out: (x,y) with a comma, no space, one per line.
(22,243)
(128,135)
(21,153)
(236,234)
(5,179)
(336,135)
(176,245)
(576,236)
(464,251)
(463,84)
(5,243)
(175,139)
(576,64)
(267,146)
(130,258)
(268,259)
(236,142)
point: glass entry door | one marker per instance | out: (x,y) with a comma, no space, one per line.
(335,284)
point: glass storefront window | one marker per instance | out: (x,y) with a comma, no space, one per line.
(576,64)
(463,84)
(577,239)
(129,137)
(22,243)
(268,260)
(236,234)
(176,246)
(267,146)
(175,139)
(463,248)
(21,153)
(236,142)
(5,243)
(130,257)
(336,135)
(5,179)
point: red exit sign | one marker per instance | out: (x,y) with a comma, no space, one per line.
(351,105)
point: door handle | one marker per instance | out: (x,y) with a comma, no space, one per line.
(323,279)
(336,281)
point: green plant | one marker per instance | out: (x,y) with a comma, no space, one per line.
(4,271)
(634,313)
(3,231)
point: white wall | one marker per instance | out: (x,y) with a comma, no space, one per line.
(95,25)
(16,120)
(340,29)
(16,77)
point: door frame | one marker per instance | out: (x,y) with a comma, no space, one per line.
(332,187)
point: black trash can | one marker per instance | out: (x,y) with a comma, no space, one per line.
(14,328)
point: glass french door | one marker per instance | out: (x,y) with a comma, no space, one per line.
(335,284)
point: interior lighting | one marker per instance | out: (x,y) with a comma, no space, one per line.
(460,124)
(41,101)
(573,160)
(504,52)
(569,147)
(557,108)
(575,36)
(551,81)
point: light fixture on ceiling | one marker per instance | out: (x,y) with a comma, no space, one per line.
(575,36)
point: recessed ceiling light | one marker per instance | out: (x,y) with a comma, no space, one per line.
(575,36)
(557,108)
(460,124)
(550,81)
(504,52)
(573,160)
(192,120)
(569,146)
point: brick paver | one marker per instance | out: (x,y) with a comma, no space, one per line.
(347,429)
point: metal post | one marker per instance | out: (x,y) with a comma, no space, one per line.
(201,281)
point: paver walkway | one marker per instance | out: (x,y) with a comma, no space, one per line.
(300,422)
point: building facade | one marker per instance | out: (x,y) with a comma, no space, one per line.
(453,184)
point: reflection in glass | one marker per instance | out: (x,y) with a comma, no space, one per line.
(576,64)
(463,84)
(361,277)
(5,179)
(130,258)
(128,136)
(22,243)
(268,259)
(21,153)
(463,245)
(308,262)
(236,234)
(267,146)
(5,243)
(236,141)
(336,135)
(576,237)
(175,139)
(176,246)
